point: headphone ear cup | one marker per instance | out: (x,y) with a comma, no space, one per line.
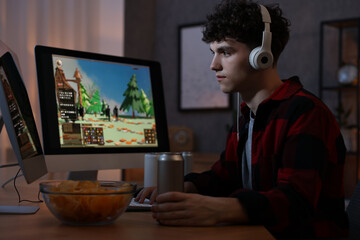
(260,59)
(253,57)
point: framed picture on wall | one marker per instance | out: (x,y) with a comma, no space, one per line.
(198,87)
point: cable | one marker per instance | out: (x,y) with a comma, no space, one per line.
(25,200)
(9,180)
(5,166)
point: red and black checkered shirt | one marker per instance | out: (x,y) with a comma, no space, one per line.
(297,166)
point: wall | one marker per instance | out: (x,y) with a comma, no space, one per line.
(140,20)
(301,57)
(86,25)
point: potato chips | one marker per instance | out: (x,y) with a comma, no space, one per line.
(87,202)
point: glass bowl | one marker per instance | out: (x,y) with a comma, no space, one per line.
(87,202)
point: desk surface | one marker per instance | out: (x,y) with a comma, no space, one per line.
(131,225)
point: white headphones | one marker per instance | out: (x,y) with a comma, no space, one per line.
(261,57)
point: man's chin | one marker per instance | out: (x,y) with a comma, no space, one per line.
(226,90)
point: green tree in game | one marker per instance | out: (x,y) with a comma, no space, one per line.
(132,98)
(147,104)
(95,104)
(151,112)
(85,97)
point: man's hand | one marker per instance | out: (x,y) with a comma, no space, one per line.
(175,208)
(151,192)
(148,192)
(189,187)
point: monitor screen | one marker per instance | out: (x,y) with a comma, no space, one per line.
(19,120)
(107,109)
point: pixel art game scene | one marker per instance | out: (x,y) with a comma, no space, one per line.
(103,104)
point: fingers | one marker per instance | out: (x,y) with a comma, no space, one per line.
(170,213)
(167,207)
(186,209)
(153,196)
(137,197)
(171,197)
(144,193)
(175,214)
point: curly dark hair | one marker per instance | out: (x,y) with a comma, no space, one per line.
(242,20)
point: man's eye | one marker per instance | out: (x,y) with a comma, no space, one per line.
(226,53)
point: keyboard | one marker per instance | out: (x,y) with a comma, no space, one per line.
(136,206)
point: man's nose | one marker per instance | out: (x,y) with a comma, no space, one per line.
(215,64)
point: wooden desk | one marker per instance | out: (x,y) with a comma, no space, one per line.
(131,225)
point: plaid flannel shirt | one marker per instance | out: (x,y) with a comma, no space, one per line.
(297,166)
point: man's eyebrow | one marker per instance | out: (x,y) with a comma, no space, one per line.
(223,49)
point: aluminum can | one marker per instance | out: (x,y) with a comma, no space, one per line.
(170,173)
(188,162)
(150,169)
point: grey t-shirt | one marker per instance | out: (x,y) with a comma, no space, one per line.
(246,159)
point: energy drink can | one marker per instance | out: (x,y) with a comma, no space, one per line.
(170,173)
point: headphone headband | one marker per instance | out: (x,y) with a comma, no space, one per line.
(265,14)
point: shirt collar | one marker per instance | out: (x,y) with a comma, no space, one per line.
(286,90)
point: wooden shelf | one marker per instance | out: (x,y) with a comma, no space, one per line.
(342,87)
(337,48)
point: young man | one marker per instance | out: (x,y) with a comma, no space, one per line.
(284,159)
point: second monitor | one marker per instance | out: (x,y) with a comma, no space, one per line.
(99,111)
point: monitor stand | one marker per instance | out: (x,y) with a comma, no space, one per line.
(15,209)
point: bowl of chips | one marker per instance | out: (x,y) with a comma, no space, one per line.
(87,202)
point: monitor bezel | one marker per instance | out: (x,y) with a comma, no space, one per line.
(49,120)
(32,167)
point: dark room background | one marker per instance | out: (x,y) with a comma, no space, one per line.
(151,32)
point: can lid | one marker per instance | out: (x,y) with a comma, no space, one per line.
(153,153)
(172,156)
(187,153)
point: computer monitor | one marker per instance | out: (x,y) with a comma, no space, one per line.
(99,111)
(19,120)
